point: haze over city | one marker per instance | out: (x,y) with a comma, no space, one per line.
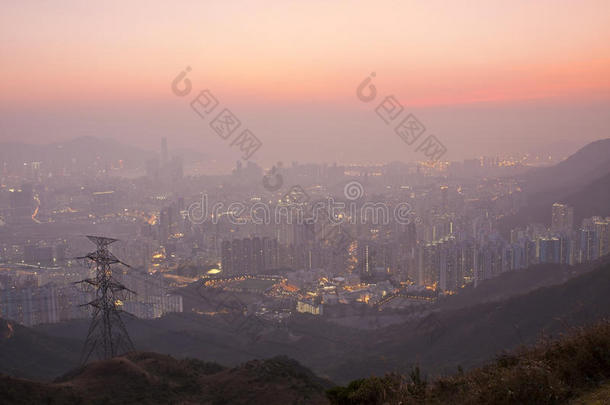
(305,202)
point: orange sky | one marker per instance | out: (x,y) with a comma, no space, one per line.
(434,52)
(485,76)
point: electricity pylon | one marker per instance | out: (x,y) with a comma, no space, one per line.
(107,336)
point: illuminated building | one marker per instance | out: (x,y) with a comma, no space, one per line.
(449,270)
(602,234)
(562,217)
(550,250)
(429,264)
(310,306)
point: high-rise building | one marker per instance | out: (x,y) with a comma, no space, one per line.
(226,259)
(258,265)
(550,250)
(22,204)
(562,218)
(465,263)
(270,254)
(602,234)
(375,260)
(164,224)
(588,245)
(429,264)
(366,260)
(304,232)
(487,261)
(236,256)
(249,256)
(444,198)
(449,269)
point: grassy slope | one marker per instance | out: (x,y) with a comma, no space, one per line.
(553,372)
(27,353)
(470,336)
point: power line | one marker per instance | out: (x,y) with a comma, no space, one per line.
(107,336)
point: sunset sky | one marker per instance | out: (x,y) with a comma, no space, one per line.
(474,72)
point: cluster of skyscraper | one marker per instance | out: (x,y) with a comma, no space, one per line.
(249,256)
(441,255)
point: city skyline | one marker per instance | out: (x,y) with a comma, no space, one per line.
(305,202)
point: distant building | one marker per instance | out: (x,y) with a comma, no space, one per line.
(550,250)
(310,306)
(588,245)
(249,255)
(226,259)
(38,255)
(48,304)
(602,234)
(450,277)
(562,218)
(154,306)
(104,202)
(429,265)
(22,204)
(375,260)
(444,198)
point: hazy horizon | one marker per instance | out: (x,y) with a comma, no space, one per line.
(304,202)
(485,79)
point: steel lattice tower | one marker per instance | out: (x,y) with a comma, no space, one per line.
(107,336)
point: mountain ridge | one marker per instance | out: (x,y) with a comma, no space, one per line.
(582,181)
(152,378)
